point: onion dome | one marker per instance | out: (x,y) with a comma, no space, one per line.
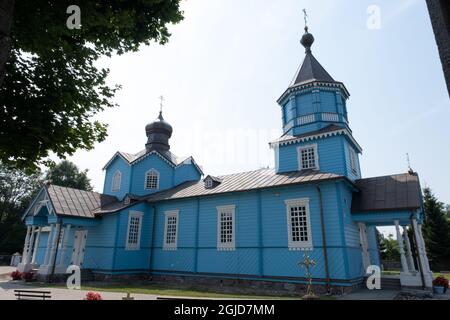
(158,135)
(307,40)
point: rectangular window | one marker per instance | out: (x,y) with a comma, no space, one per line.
(308,157)
(134,230)
(299,225)
(353,162)
(171,230)
(226,226)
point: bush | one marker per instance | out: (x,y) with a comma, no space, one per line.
(93,296)
(27,276)
(16,275)
(441,282)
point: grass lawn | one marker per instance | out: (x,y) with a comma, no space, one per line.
(159,290)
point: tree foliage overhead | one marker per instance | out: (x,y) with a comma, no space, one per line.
(16,192)
(52,88)
(67,174)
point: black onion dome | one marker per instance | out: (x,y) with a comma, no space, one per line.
(158,134)
(159,126)
(307,40)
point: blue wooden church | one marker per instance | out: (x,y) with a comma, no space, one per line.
(162,218)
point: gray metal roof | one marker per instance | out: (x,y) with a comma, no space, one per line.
(395,192)
(311,70)
(264,178)
(77,203)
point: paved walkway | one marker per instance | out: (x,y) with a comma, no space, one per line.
(7,292)
(5,272)
(364,294)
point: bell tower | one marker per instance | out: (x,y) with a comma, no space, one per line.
(313,100)
(316,132)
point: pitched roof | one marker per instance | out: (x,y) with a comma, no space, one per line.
(246,181)
(77,203)
(395,192)
(165,155)
(311,70)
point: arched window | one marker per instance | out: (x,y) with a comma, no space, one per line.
(116,180)
(152,180)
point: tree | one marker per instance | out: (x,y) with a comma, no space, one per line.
(389,250)
(52,88)
(436,229)
(17,189)
(67,174)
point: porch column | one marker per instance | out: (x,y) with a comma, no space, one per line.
(54,244)
(364,245)
(30,245)
(401,247)
(64,247)
(36,246)
(49,243)
(423,259)
(25,245)
(409,255)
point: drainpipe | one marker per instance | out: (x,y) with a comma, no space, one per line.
(324,241)
(56,250)
(422,277)
(153,240)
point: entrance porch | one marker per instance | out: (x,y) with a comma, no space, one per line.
(415,269)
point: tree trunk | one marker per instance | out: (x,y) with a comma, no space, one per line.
(6,18)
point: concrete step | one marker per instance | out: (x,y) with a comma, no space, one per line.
(390,284)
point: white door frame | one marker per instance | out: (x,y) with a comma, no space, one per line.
(79,247)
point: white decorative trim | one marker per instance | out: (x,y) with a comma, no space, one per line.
(152,171)
(311,85)
(228,246)
(298,245)
(171,214)
(316,157)
(134,246)
(295,140)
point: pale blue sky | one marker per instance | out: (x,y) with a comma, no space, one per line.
(229,60)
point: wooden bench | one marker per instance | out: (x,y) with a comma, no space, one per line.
(32,294)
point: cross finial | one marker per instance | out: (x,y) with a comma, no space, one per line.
(161,103)
(306,19)
(410,170)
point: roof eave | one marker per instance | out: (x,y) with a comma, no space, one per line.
(313,84)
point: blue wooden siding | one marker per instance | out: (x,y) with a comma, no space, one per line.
(130,261)
(351,232)
(186,172)
(166,175)
(121,165)
(261,247)
(330,150)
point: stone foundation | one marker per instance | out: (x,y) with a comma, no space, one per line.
(223,285)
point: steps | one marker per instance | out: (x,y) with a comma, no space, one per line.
(390,283)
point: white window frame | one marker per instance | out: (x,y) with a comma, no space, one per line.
(134,246)
(116,179)
(171,214)
(353,160)
(228,246)
(147,174)
(316,157)
(298,245)
(208,183)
